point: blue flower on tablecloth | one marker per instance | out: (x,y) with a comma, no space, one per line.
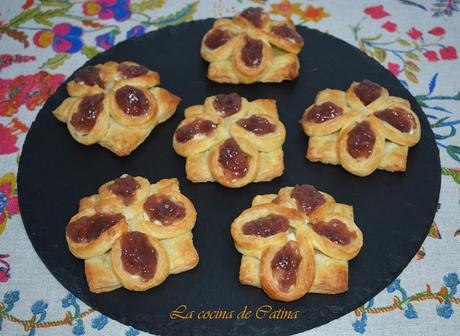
(68,301)
(136,31)
(360,326)
(131,332)
(11,297)
(395,285)
(39,307)
(445,310)
(451,281)
(78,329)
(99,322)
(106,41)
(410,312)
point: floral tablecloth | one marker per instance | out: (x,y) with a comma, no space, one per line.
(43,41)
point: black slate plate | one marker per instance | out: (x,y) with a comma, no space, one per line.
(394,211)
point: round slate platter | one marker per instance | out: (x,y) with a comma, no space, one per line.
(393,210)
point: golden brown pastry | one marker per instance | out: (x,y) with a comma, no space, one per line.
(133,234)
(252,48)
(363,129)
(231,141)
(116,105)
(296,242)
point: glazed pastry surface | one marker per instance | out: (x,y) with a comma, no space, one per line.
(231,141)
(133,234)
(362,129)
(116,105)
(296,242)
(250,48)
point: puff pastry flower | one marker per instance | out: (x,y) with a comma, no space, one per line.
(116,105)
(362,129)
(133,234)
(296,242)
(252,48)
(231,141)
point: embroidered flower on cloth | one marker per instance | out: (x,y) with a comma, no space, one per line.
(108,9)
(285,8)
(30,90)
(9,136)
(64,37)
(8,199)
(105,41)
(136,31)
(376,12)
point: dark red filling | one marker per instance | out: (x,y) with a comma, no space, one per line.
(138,255)
(88,110)
(89,228)
(361,140)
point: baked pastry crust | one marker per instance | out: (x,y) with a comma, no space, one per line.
(126,197)
(324,265)
(202,150)
(100,275)
(278,41)
(328,137)
(114,128)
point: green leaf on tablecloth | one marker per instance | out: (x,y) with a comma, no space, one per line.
(454,173)
(43,17)
(454,152)
(89,51)
(412,56)
(53,3)
(403,42)
(380,54)
(183,15)
(55,62)
(412,66)
(24,17)
(375,38)
(421,100)
(146,5)
(411,76)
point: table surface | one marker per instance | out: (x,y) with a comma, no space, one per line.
(43,42)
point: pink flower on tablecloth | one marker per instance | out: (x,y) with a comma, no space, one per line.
(448,53)
(28,90)
(394,68)
(108,9)
(64,37)
(437,31)
(9,136)
(414,33)
(8,199)
(390,26)
(376,12)
(431,55)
